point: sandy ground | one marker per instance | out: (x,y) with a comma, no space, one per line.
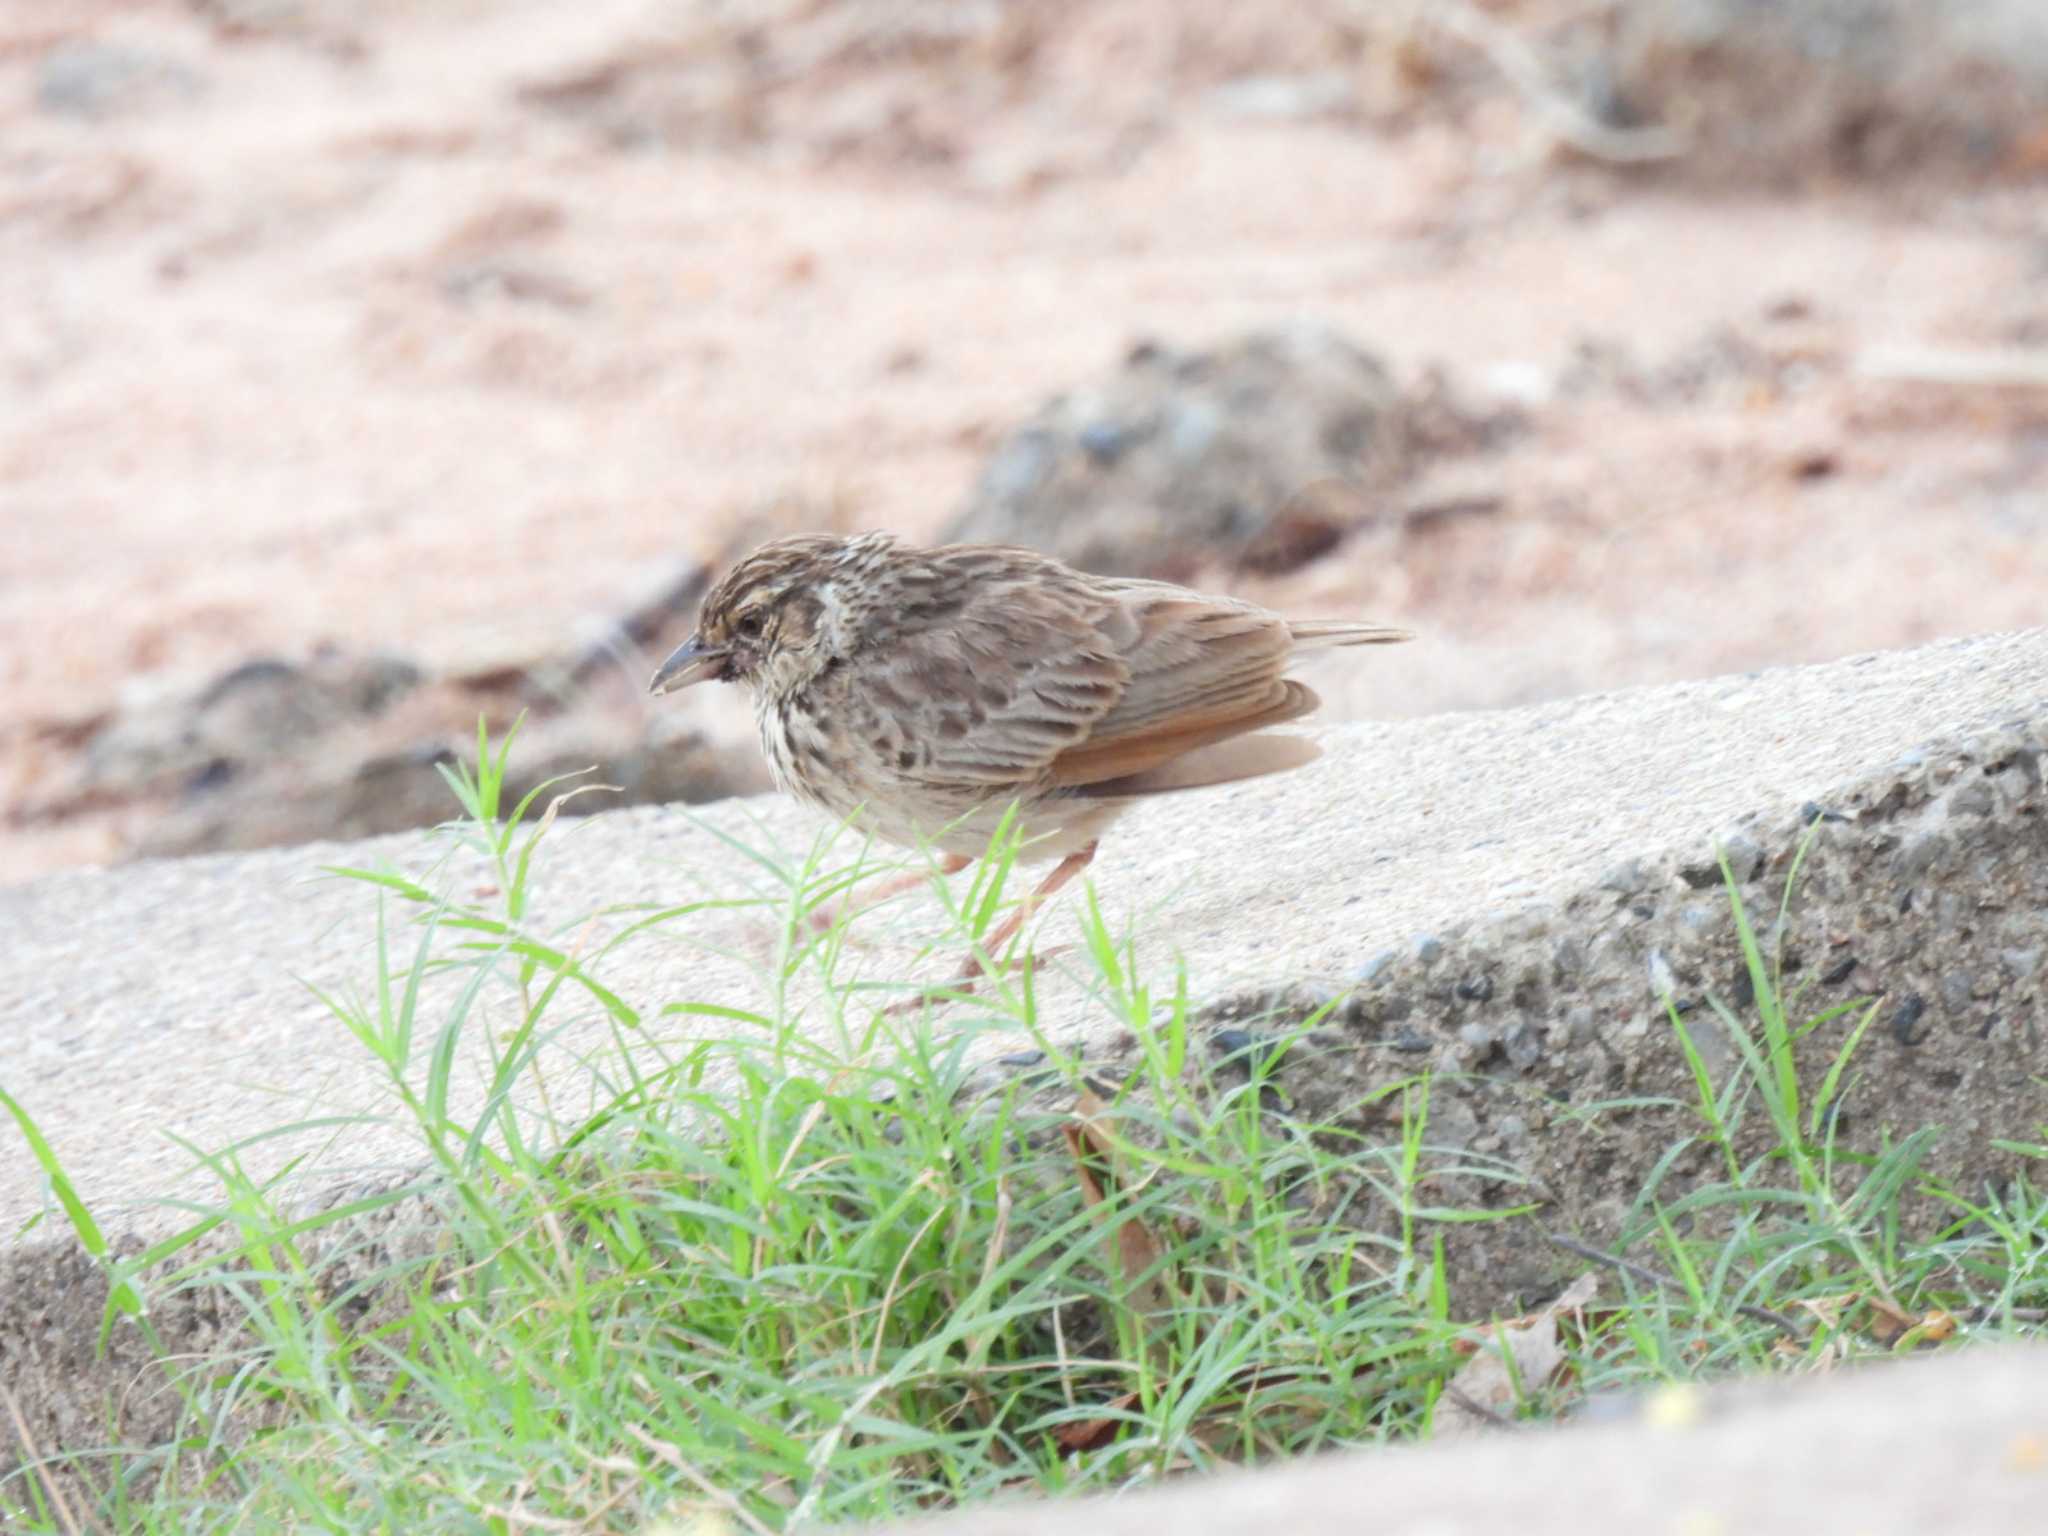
(455,329)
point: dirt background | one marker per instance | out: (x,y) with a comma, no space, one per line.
(364,366)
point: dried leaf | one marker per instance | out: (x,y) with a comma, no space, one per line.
(1510,1360)
(1936,1327)
(1093,1434)
(1888,1320)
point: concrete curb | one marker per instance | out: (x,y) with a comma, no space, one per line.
(1825,1454)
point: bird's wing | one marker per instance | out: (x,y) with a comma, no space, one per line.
(1201,670)
(1000,664)
(1010,672)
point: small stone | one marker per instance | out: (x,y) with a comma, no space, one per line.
(1578,1025)
(2025,762)
(1745,855)
(1838,973)
(1429,948)
(1374,971)
(1475,1048)
(1314,997)
(1476,989)
(1973,798)
(1406,1039)
(1955,991)
(1451,1121)
(1021,1060)
(1524,1045)
(1663,983)
(1741,988)
(1920,854)
(1905,1017)
(2019,963)
(1626,878)
(1698,917)
(1231,1042)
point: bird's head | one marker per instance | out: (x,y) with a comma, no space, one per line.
(773,621)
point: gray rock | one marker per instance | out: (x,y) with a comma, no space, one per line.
(258,712)
(1920,853)
(1524,1045)
(1476,1037)
(1239,453)
(1626,878)
(1972,799)
(1375,970)
(1955,991)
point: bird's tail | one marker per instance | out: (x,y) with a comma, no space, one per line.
(1324,634)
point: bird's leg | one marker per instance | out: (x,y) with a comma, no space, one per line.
(881,890)
(1006,930)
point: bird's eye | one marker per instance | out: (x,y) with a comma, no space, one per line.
(748,625)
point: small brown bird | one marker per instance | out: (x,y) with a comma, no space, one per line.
(925,690)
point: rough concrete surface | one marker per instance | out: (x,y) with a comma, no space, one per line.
(1507,896)
(1958,1444)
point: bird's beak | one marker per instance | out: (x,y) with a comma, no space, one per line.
(691,662)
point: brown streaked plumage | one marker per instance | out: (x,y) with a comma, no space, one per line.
(924,690)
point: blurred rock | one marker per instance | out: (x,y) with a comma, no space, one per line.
(272,753)
(255,712)
(1241,454)
(353,794)
(1784,90)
